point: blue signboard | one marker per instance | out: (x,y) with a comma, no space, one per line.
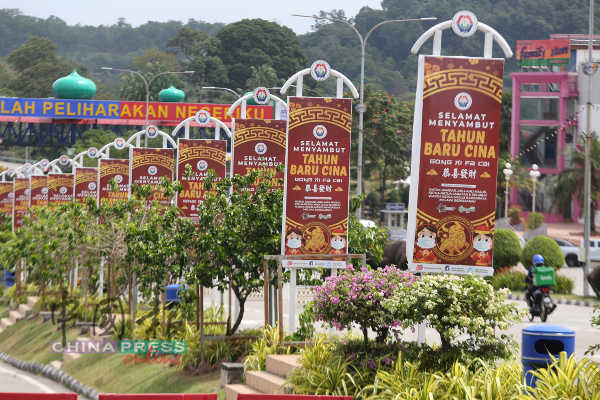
(60,108)
(394,206)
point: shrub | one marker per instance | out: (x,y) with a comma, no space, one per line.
(564,285)
(356,297)
(507,249)
(545,246)
(515,213)
(307,323)
(534,220)
(455,306)
(511,280)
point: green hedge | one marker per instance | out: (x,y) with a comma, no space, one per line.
(507,249)
(545,246)
(514,282)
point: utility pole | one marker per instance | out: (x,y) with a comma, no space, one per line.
(588,169)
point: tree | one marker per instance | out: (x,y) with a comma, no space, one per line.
(133,87)
(387,135)
(568,184)
(149,57)
(200,54)
(505,122)
(263,75)
(36,81)
(259,42)
(34,51)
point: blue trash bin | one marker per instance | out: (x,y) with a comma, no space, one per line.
(173,293)
(539,341)
(7,279)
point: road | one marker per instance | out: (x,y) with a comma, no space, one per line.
(15,380)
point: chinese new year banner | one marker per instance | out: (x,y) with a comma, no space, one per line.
(60,188)
(38,195)
(148,166)
(201,155)
(317,178)
(258,144)
(118,170)
(20,201)
(454,165)
(6,197)
(86,183)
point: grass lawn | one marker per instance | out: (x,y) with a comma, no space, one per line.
(29,340)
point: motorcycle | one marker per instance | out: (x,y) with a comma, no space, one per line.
(541,304)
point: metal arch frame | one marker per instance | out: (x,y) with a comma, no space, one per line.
(436,31)
(18,171)
(186,123)
(138,135)
(243,101)
(299,78)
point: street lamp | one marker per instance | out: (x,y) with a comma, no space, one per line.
(535,174)
(147,88)
(221,88)
(361,108)
(507,174)
(310,90)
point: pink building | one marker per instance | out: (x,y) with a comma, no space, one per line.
(548,113)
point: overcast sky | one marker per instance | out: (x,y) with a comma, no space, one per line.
(106,12)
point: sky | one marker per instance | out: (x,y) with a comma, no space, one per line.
(107,12)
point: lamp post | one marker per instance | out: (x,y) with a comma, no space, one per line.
(147,88)
(303,88)
(507,174)
(361,108)
(535,174)
(220,88)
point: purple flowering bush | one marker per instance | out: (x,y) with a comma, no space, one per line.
(355,297)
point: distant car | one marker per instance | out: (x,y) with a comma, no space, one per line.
(570,251)
(594,250)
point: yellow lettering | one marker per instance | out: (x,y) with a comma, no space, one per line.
(470,138)
(137,109)
(69,110)
(100,109)
(427,149)
(468,149)
(311,159)
(47,106)
(162,111)
(334,159)
(444,131)
(217,112)
(326,170)
(460,138)
(125,111)
(2,110)
(455,149)
(113,109)
(192,110)
(179,112)
(451,136)
(481,137)
(292,170)
(59,108)
(30,107)
(151,111)
(437,150)
(17,108)
(492,152)
(446,148)
(315,169)
(482,151)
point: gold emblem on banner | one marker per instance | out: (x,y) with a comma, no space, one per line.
(465,79)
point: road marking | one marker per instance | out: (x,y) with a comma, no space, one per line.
(26,378)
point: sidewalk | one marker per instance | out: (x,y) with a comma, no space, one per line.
(571,231)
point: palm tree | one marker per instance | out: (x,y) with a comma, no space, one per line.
(262,76)
(568,184)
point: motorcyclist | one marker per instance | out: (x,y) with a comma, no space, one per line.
(538,261)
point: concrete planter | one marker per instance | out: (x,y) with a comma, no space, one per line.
(519,227)
(541,230)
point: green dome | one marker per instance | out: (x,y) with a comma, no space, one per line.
(74,86)
(250,101)
(171,95)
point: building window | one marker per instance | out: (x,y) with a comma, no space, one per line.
(538,145)
(539,109)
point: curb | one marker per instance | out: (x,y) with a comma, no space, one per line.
(559,301)
(52,373)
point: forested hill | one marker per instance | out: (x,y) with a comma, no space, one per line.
(389,64)
(100,44)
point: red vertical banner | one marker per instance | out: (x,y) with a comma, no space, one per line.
(258,144)
(201,155)
(86,183)
(6,198)
(38,186)
(60,188)
(454,165)
(317,179)
(118,170)
(148,166)
(20,201)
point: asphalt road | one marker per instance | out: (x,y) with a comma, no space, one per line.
(15,380)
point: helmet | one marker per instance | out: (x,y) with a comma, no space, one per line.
(538,259)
